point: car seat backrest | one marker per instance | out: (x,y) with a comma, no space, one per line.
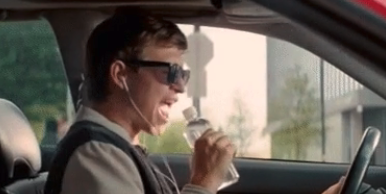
(20,156)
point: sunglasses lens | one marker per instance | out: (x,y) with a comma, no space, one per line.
(177,74)
(172,75)
(185,75)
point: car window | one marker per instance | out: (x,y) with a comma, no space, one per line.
(32,76)
(265,93)
(274,99)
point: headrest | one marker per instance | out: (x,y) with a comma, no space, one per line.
(19,148)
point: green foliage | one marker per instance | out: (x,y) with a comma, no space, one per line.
(171,141)
(239,126)
(297,110)
(32,74)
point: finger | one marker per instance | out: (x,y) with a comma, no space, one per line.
(208,138)
(225,145)
(207,132)
(334,189)
(223,142)
(231,149)
(214,137)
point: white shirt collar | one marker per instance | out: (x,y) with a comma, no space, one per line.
(88,114)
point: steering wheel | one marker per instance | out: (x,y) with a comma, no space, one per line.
(359,166)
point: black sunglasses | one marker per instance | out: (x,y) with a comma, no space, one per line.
(176,72)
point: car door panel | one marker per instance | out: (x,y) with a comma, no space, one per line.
(275,176)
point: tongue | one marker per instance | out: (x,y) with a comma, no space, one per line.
(164,110)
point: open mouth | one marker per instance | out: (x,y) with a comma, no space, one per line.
(165,107)
(164,111)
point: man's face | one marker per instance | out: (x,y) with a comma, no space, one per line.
(150,91)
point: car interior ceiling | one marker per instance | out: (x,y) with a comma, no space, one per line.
(313,36)
(303,31)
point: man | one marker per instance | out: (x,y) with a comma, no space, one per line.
(134,66)
(134,74)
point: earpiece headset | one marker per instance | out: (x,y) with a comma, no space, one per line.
(126,87)
(172,180)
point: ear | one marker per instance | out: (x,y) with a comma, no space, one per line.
(118,73)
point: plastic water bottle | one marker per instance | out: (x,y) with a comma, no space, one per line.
(196,126)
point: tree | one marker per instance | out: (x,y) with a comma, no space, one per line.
(296,109)
(32,70)
(171,141)
(239,127)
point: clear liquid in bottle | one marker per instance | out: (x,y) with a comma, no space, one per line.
(195,127)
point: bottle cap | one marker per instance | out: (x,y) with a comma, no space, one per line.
(190,113)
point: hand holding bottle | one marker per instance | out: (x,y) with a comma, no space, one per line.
(212,166)
(213,154)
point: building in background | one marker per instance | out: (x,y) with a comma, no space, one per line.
(349,107)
